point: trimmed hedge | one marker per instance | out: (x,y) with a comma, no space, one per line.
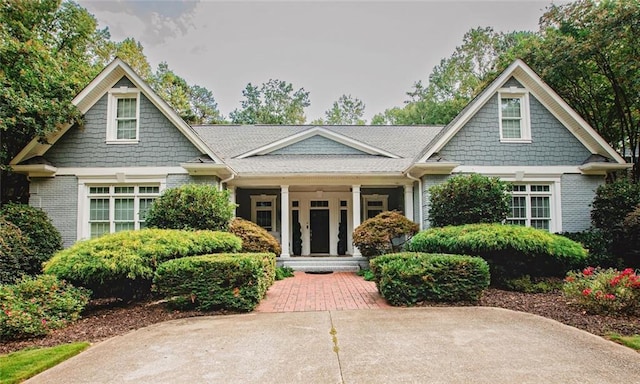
(385,233)
(254,237)
(410,278)
(234,282)
(43,239)
(36,305)
(511,251)
(122,264)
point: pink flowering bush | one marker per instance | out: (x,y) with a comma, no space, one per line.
(599,290)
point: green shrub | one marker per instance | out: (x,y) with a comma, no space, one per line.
(366,274)
(14,252)
(410,279)
(283,272)
(122,264)
(43,239)
(234,282)
(598,244)
(511,251)
(632,236)
(36,305)
(254,237)
(608,291)
(376,264)
(527,284)
(383,233)
(468,199)
(191,206)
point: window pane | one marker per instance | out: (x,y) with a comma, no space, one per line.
(150,190)
(518,207)
(540,224)
(145,204)
(511,107)
(263,203)
(126,129)
(99,229)
(123,210)
(126,226)
(517,222)
(518,188)
(98,190)
(264,219)
(374,204)
(99,209)
(126,108)
(511,129)
(123,190)
(540,207)
(318,204)
(539,188)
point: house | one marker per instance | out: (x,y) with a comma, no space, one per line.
(312,185)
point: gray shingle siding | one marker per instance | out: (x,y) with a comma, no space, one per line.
(161,143)
(578,192)
(317,145)
(58,197)
(478,142)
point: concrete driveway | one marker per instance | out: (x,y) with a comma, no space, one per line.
(398,345)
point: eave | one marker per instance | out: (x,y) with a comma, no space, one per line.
(431,168)
(208,169)
(35,170)
(602,168)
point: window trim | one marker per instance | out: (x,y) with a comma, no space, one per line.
(112,113)
(525,119)
(555,197)
(366,199)
(254,209)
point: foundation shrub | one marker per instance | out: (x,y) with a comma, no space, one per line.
(122,264)
(604,291)
(36,305)
(511,251)
(14,252)
(191,206)
(408,279)
(254,237)
(598,245)
(468,199)
(43,239)
(385,233)
(283,272)
(235,282)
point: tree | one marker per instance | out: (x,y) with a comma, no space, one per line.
(588,52)
(129,50)
(274,102)
(346,111)
(44,62)
(203,106)
(174,90)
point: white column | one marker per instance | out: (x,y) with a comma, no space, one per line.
(408,202)
(355,190)
(232,198)
(284,220)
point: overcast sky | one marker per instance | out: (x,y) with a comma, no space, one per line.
(374,51)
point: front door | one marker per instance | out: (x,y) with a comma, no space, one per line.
(319,226)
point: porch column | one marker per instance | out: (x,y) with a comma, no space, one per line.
(232,198)
(284,220)
(355,190)
(408,202)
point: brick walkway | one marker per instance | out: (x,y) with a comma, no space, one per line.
(317,292)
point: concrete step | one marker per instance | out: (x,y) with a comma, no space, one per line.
(318,264)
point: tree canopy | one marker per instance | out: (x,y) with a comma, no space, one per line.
(273,102)
(346,110)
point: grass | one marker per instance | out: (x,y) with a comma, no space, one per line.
(629,341)
(21,365)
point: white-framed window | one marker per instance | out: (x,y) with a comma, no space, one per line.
(513,111)
(263,211)
(123,116)
(114,208)
(373,205)
(531,206)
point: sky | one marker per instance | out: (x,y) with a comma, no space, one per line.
(371,50)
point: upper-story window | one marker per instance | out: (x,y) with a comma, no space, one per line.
(123,116)
(514,117)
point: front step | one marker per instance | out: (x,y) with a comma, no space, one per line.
(329,263)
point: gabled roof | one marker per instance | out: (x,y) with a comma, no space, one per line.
(317,131)
(100,85)
(544,94)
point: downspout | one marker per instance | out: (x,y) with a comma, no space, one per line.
(233,175)
(419,196)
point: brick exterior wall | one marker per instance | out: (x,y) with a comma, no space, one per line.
(578,192)
(160,144)
(58,197)
(478,142)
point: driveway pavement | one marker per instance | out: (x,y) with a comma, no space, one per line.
(396,345)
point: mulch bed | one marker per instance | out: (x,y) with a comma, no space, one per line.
(104,319)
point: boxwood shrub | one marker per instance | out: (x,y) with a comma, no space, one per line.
(254,237)
(511,251)
(34,306)
(14,252)
(410,278)
(235,282)
(386,232)
(122,264)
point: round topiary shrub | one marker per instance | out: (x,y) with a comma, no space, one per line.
(254,237)
(122,264)
(512,251)
(15,255)
(43,238)
(385,233)
(191,206)
(468,199)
